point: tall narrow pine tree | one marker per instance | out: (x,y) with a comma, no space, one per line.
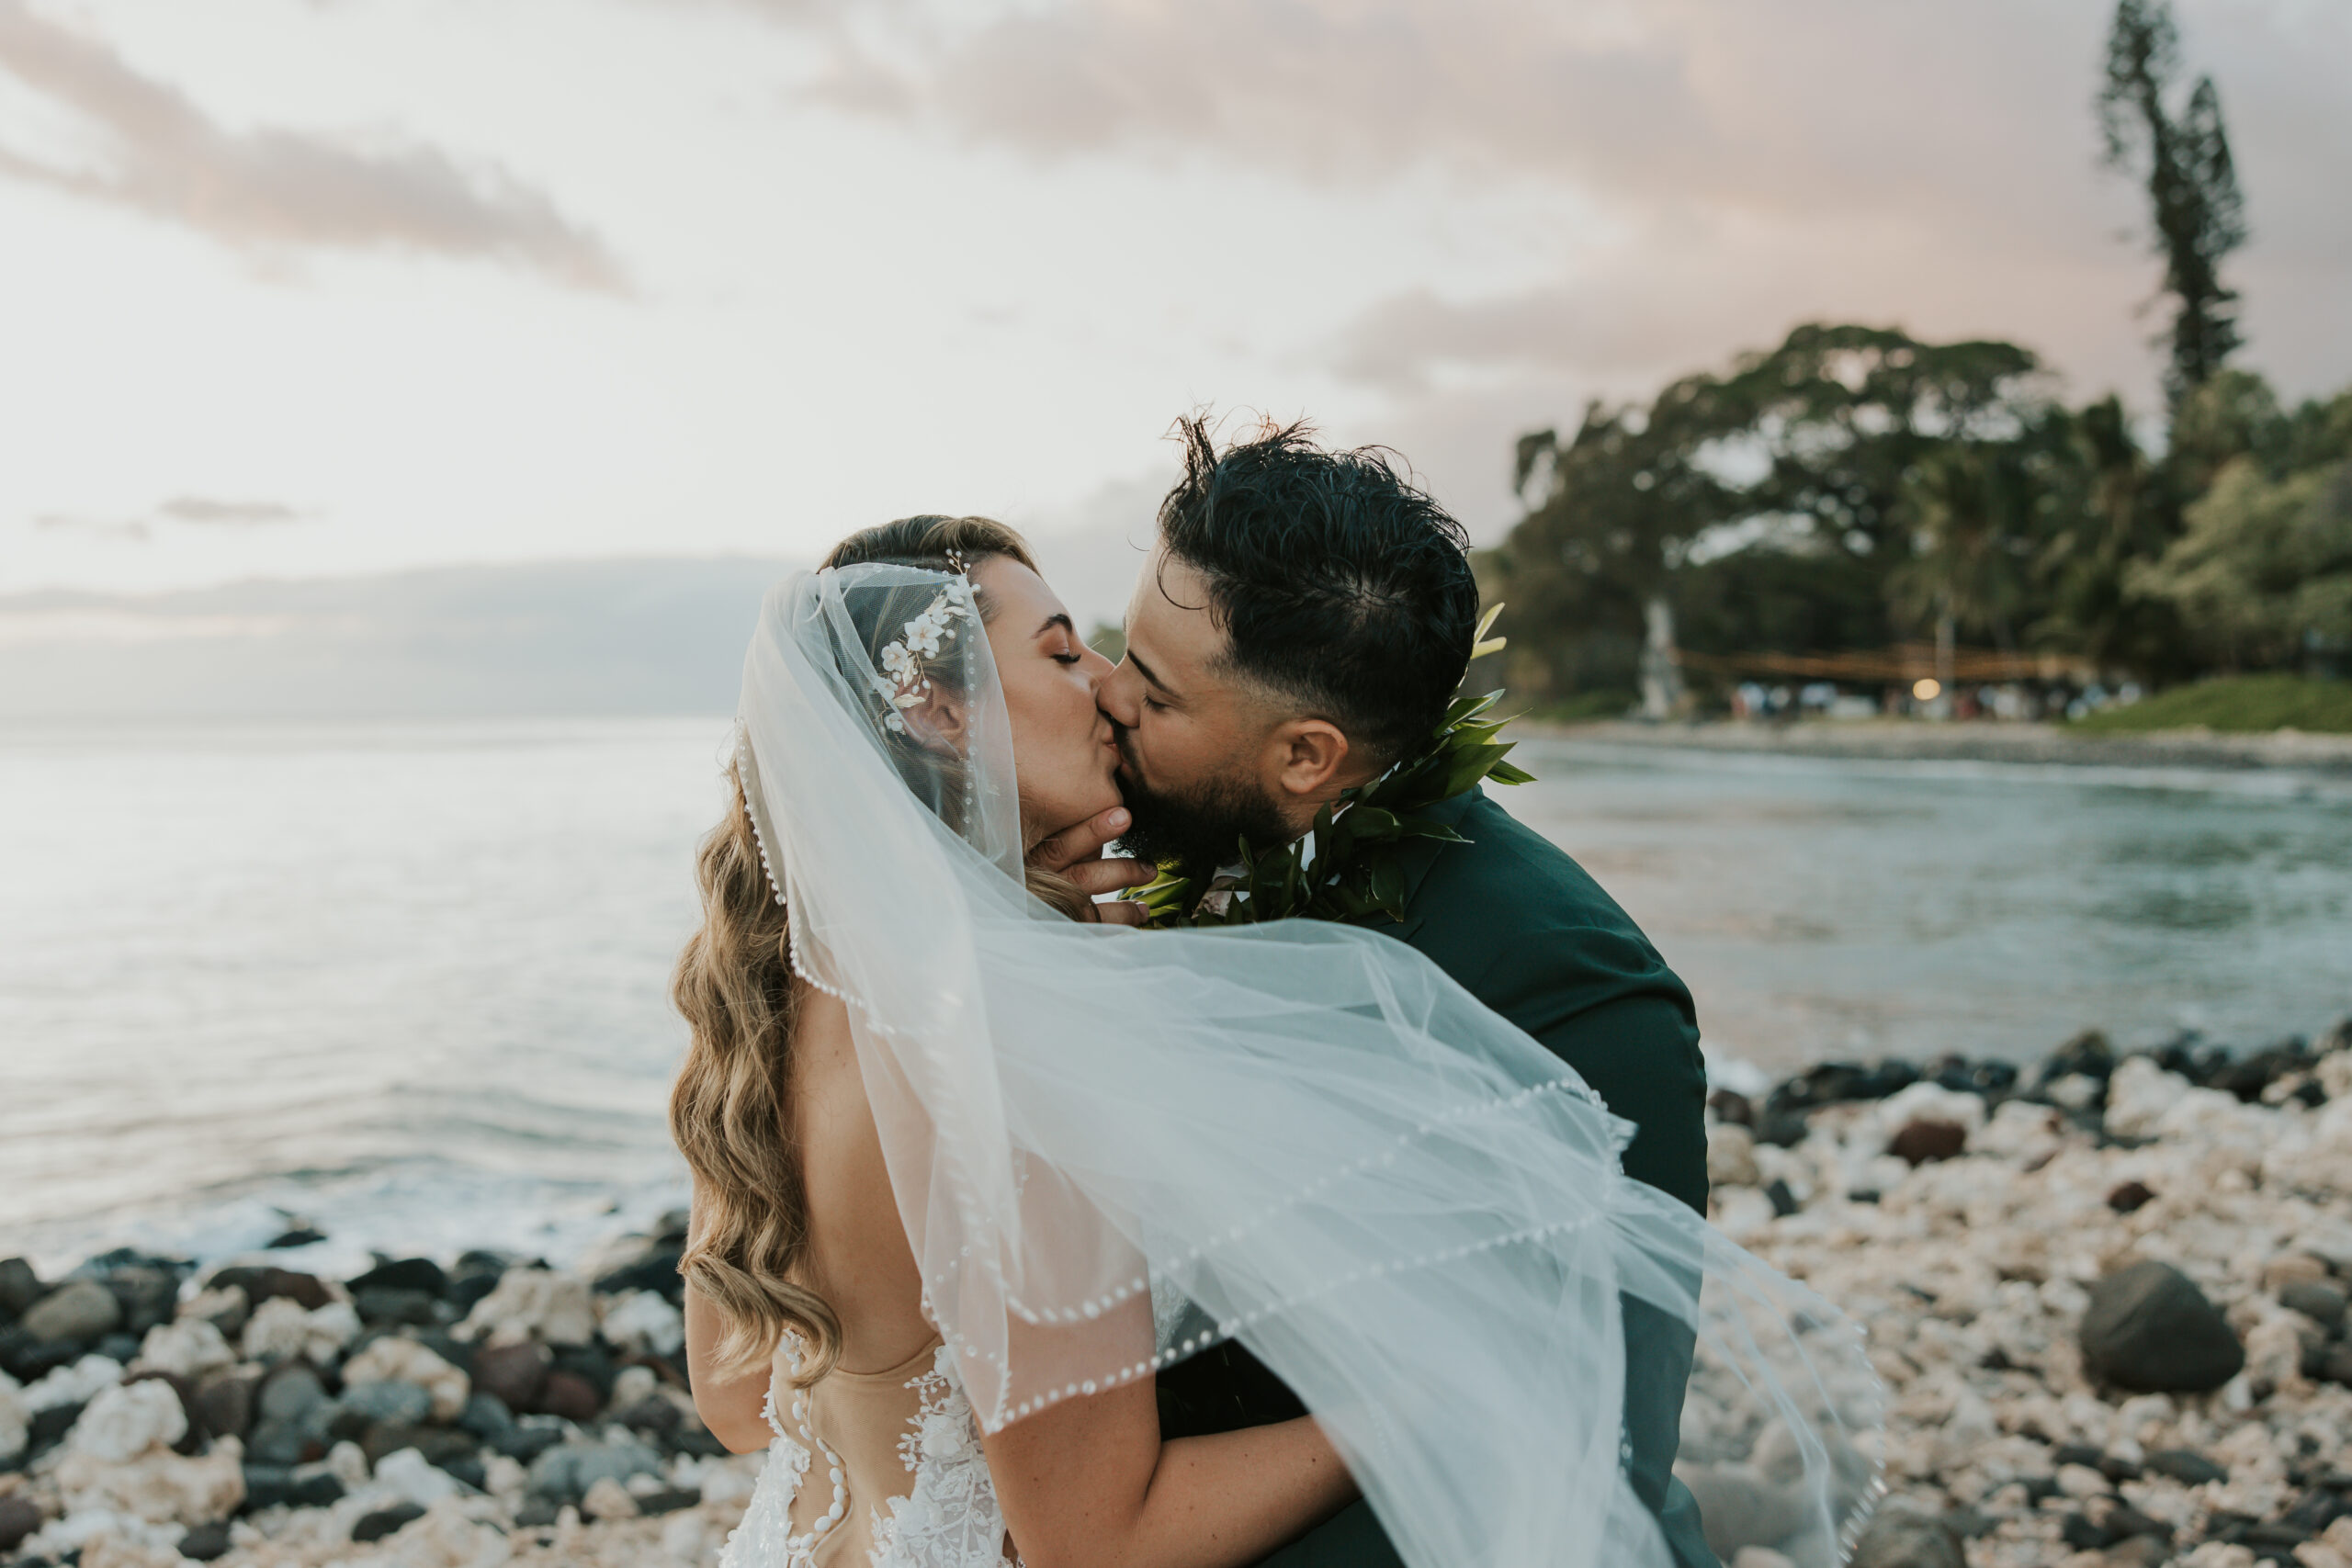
(2192,186)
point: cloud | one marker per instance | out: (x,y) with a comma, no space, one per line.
(120,530)
(1730,168)
(229,513)
(200,511)
(272,190)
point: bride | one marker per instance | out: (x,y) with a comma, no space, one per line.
(970,1169)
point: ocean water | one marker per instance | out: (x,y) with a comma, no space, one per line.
(408,982)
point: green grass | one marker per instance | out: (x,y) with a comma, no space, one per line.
(1578,709)
(2241,704)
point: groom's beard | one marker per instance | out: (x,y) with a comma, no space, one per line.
(1199,829)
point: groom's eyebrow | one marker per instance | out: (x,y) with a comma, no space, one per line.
(1148,673)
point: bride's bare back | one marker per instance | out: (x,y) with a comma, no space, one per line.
(1088,1480)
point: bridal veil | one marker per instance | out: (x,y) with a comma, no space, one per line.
(1304,1135)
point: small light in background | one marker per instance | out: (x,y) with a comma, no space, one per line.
(1929,690)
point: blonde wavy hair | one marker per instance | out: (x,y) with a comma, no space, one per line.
(730,1109)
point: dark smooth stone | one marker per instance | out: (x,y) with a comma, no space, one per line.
(382,1306)
(224,1402)
(82,1311)
(1862,1195)
(655,1268)
(2087,1054)
(668,1501)
(2186,1466)
(652,1414)
(2332,1364)
(1968,1524)
(438,1444)
(421,1274)
(537,1513)
(270,1486)
(591,1363)
(260,1282)
(384,1521)
(694,1437)
(300,1235)
(18,1518)
(290,1393)
(147,1295)
(571,1397)
(458,1353)
(2078,1531)
(1730,1105)
(49,1427)
(28,1359)
(2124,1522)
(486,1415)
(2076,1454)
(1924,1141)
(283,1444)
(2322,1302)
(19,1286)
(2131,1196)
(527,1442)
(468,1470)
(202,1543)
(2150,1329)
(514,1374)
(122,1347)
(1784,1203)
(2117,1468)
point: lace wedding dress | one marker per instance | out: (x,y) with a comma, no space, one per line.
(900,1479)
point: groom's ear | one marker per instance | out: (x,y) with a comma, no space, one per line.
(1311,757)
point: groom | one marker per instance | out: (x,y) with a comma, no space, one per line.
(1301,625)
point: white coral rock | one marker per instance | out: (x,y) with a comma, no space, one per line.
(2139,1094)
(159,1485)
(76,1385)
(281,1329)
(645,1322)
(533,1304)
(392,1359)
(127,1420)
(410,1477)
(187,1347)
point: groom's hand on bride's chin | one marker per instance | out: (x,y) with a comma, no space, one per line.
(1076,854)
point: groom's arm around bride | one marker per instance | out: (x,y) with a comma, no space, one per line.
(1300,626)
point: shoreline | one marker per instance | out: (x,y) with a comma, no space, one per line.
(1981,741)
(1972,1215)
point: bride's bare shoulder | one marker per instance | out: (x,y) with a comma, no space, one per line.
(857,1257)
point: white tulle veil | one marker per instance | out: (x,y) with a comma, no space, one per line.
(1300,1134)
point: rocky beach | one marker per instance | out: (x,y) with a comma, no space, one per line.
(2106,1292)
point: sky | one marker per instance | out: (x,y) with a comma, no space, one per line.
(305,288)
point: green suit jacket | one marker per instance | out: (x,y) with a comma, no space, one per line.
(1520,926)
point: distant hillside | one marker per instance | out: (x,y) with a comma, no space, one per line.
(623,636)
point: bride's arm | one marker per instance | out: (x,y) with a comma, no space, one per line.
(1089,1482)
(732,1407)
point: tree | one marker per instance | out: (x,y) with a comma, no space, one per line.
(2264,573)
(1786,477)
(2199,214)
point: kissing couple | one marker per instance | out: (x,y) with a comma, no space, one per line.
(1350,1213)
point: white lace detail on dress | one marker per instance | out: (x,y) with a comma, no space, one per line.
(950,1520)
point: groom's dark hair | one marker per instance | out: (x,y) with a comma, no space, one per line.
(1336,580)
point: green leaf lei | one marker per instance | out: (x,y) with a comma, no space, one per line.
(1358,837)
